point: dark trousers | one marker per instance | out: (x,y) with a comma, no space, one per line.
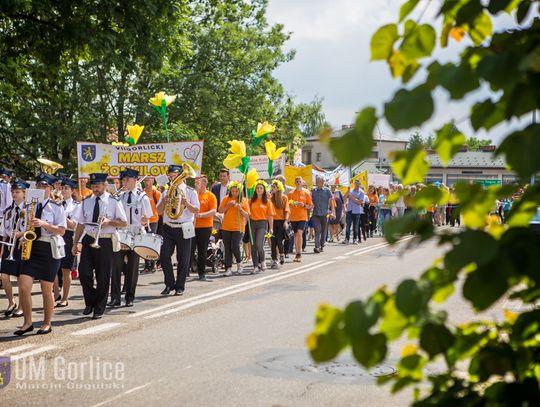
(231,243)
(352,219)
(118,267)
(363,226)
(320,225)
(96,262)
(278,238)
(200,243)
(150,264)
(131,275)
(372,219)
(173,238)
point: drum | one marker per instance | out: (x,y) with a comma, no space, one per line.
(126,239)
(148,245)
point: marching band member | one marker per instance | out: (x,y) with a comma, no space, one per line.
(11,227)
(107,213)
(177,233)
(48,221)
(153,196)
(70,207)
(138,211)
(5,189)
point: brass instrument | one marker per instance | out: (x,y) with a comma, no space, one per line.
(100,220)
(29,234)
(12,239)
(50,167)
(175,207)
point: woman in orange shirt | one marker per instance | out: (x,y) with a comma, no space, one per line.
(261,220)
(232,226)
(204,221)
(281,222)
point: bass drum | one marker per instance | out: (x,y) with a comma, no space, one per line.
(148,245)
(126,239)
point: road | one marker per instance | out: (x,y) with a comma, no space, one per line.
(236,341)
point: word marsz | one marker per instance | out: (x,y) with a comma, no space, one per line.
(128,158)
(92,373)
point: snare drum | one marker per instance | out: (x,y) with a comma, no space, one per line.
(148,245)
(126,239)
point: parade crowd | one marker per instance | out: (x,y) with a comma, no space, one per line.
(88,233)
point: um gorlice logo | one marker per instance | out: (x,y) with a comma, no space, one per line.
(5,371)
(88,152)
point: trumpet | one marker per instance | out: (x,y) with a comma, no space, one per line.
(96,245)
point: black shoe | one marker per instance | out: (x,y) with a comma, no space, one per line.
(58,298)
(88,310)
(316,250)
(113,303)
(21,332)
(129,303)
(166,291)
(97,316)
(10,310)
(17,313)
(179,292)
(321,249)
(42,331)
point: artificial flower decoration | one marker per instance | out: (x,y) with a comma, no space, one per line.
(134,132)
(263,129)
(273,154)
(234,184)
(252,178)
(160,102)
(278,184)
(237,158)
(261,182)
(268,235)
(161,97)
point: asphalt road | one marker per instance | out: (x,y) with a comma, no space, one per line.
(236,341)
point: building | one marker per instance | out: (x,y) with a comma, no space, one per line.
(317,153)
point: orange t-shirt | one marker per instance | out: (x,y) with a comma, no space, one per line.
(232,220)
(261,211)
(207,202)
(299,213)
(85,193)
(154,196)
(373,199)
(280,213)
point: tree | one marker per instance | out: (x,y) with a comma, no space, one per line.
(476,144)
(486,361)
(416,141)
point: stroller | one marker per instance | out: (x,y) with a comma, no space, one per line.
(215,253)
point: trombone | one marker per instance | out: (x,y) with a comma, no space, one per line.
(11,243)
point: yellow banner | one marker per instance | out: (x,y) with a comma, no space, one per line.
(305,172)
(362,176)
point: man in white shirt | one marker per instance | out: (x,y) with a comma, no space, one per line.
(5,189)
(138,211)
(220,190)
(104,210)
(177,233)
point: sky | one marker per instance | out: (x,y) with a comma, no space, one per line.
(331,39)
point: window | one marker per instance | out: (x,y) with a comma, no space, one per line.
(432,178)
(374,154)
(306,156)
(318,157)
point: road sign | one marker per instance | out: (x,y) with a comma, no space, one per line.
(488,182)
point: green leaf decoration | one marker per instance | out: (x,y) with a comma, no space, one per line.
(410,166)
(407,8)
(418,40)
(522,151)
(458,80)
(383,41)
(436,339)
(409,298)
(327,339)
(493,360)
(359,317)
(409,108)
(480,28)
(429,196)
(507,6)
(394,322)
(448,142)
(487,114)
(527,325)
(471,246)
(357,144)
(410,223)
(369,350)
(501,71)
(483,287)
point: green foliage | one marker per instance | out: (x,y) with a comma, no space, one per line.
(487,360)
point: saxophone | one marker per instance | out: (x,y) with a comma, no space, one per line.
(177,202)
(29,234)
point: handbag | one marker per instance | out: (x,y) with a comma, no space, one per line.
(188,230)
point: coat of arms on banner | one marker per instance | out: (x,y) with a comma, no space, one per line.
(5,371)
(88,152)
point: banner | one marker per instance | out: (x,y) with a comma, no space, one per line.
(260,163)
(148,159)
(363,177)
(305,172)
(382,180)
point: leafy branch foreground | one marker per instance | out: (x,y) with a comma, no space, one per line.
(486,362)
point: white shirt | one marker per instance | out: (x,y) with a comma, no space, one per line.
(9,219)
(5,196)
(52,213)
(187,216)
(109,207)
(223,192)
(139,206)
(71,207)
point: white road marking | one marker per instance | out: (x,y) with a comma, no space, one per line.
(339,258)
(258,283)
(33,352)
(371,248)
(16,349)
(97,328)
(212,293)
(134,389)
(364,248)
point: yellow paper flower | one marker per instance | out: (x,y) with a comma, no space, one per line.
(271,151)
(264,129)
(232,161)
(238,151)
(268,235)
(252,178)
(263,183)
(278,184)
(135,132)
(156,100)
(238,147)
(233,184)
